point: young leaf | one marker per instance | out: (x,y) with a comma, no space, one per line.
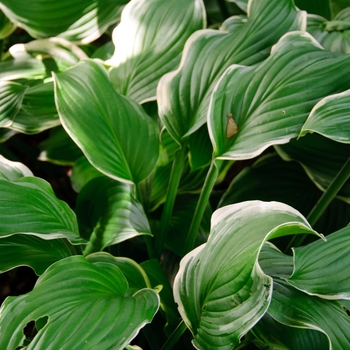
(11,96)
(330,118)
(326,276)
(108,214)
(294,308)
(148,43)
(75,20)
(126,145)
(270,102)
(29,206)
(88,306)
(220,288)
(183,95)
(6,26)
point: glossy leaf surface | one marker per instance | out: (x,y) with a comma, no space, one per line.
(12,171)
(88,305)
(325,276)
(75,20)
(108,213)
(183,95)
(35,252)
(149,41)
(330,118)
(270,102)
(29,206)
(220,288)
(126,145)
(11,96)
(294,308)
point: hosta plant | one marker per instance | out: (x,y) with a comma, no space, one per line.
(207,149)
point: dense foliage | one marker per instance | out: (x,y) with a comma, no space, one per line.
(207,149)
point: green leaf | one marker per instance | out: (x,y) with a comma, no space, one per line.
(278,336)
(330,118)
(75,20)
(319,7)
(82,173)
(220,288)
(149,41)
(13,170)
(59,148)
(326,276)
(294,308)
(62,51)
(109,214)
(321,158)
(332,35)
(270,102)
(126,146)
(22,67)
(11,96)
(29,206)
(132,271)
(272,179)
(35,252)
(88,306)
(183,95)
(6,26)
(37,111)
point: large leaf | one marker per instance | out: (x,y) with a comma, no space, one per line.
(114,132)
(330,118)
(253,108)
(321,158)
(220,288)
(108,213)
(11,96)
(29,206)
(183,95)
(325,276)
(26,250)
(294,308)
(148,43)
(88,306)
(75,20)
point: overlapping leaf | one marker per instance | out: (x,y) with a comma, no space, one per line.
(114,132)
(332,35)
(75,20)
(88,305)
(183,95)
(27,250)
(294,308)
(272,179)
(330,118)
(108,214)
(148,43)
(29,206)
(220,288)
(321,169)
(255,107)
(325,276)
(11,96)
